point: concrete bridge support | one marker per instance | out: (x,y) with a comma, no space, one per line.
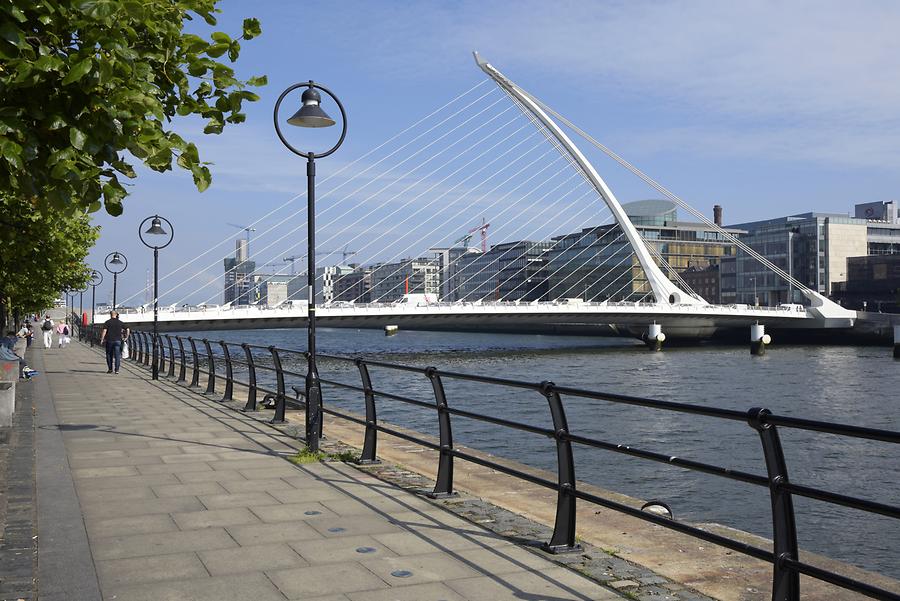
(654,337)
(759,339)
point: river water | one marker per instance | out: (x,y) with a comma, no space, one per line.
(854,385)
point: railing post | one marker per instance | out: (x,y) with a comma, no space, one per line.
(251,379)
(161,356)
(371,440)
(195,368)
(563,539)
(443,486)
(211,368)
(182,368)
(229,373)
(137,349)
(171,373)
(785,582)
(278,418)
(146,348)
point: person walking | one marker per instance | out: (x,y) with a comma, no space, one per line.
(112,335)
(47,330)
(62,333)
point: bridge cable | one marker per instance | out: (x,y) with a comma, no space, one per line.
(341,170)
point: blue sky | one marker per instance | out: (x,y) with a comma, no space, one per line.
(766,108)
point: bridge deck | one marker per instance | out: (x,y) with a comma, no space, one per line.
(178,497)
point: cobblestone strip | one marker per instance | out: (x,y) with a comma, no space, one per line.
(18,541)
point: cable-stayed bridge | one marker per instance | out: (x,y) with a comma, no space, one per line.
(508,157)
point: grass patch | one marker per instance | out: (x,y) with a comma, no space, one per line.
(304,455)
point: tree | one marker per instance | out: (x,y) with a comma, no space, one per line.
(87,84)
(42,253)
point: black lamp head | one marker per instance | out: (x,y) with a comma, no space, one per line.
(115,259)
(311,113)
(156,228)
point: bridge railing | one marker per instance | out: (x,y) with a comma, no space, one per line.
(217,361)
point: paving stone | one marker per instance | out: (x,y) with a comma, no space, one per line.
(211,476)
(424,568)
(183,490)
(114,508)
(257,534)
(251,558)
(113,461)
(173,468)
(353,525)
(432,591)
(344,549)
(208,518)
(143,545)
(241,587)
(309,494)
(141,524)
(174,566)
(105,472)
(247,499)
(300,583)
(292,511)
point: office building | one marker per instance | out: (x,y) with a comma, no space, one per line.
(354,287)
(599,264)
(873,284)
(811,247)
(390,281)
(511,271)
(239,276)
(325,279)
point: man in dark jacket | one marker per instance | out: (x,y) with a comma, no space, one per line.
(114,332)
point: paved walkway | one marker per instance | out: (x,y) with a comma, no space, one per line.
(149,491)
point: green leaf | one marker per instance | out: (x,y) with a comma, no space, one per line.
(98,9)
(78,71)
(259,80)
(12,34)
(134,9)
(251,28)
(77,138)
(221,37)
(202,177)
(234,50)
(217,50)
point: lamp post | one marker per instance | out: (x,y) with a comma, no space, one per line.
(96,280)
(755,296)
(311,115)
(156,229)
(81,292)
(115,263)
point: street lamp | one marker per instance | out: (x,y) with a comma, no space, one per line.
(156,229)
(81,292)
(96,280)
(311,114)
(115,263)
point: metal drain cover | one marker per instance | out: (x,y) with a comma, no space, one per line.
(312,512)
(401,573)
(365,549)
(336,529)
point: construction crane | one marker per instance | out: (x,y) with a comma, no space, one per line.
(483,229)
(291,260)
(247,229)
(464,241)
(324,253)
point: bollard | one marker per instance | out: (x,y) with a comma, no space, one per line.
(897,342)
(654,337)
(759,339)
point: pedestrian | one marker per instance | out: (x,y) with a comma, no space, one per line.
(8,353)
(47,329)
(113,334)
(62,332)
(29,335)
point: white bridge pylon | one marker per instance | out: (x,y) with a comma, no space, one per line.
(664,291)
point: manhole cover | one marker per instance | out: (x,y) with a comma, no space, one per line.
(401,573)
(365,549)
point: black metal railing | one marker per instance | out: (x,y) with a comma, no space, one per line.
(784,556)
